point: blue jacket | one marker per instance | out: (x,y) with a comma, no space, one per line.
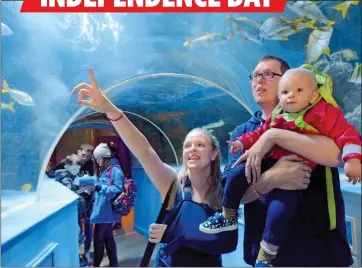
(110,188)
(184,245)
(309,241)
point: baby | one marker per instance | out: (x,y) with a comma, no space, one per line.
(67,175)
(302,109)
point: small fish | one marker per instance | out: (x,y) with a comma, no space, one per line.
(274,25)
(208,38)
(294,28)
(8,106)
(167,116)
(310,10)
(349,54)
(304,25)
(318,43)
(5,30)
(17,95)
(26,187)
(246,35)
(344,7)
(217,124)
(241,21)
(282,34)
(355,76)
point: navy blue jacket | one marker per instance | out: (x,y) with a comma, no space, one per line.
(309,241)
(184,245)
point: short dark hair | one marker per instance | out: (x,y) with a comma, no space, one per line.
(284,66)
(89,148)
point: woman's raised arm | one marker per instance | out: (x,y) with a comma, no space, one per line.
(160,173)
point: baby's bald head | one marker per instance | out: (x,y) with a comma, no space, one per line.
(306,76)
(297,89)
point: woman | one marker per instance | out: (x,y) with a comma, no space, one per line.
(108,185)
(195,195)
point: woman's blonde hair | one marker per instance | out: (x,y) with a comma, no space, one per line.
(215,190)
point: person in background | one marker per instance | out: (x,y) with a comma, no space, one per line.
(114,151)
(85,155)
(86,161)
(107,186)
(67,177)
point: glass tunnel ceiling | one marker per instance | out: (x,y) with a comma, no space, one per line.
(177,87)
(175,104)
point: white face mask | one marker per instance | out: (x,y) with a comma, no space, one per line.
(73,169)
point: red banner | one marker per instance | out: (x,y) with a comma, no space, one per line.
(229,6)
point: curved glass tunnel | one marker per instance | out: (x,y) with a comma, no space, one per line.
(160,70)
(143,62)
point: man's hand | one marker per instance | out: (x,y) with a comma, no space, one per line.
(290,173)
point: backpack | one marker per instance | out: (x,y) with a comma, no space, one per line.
(123,203)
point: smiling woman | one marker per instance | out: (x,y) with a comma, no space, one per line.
(198,183)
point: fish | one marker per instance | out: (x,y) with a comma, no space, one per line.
(208,38)
(246,35)
(8,106)
(349,54)
(304,25)
(310,10)
(293,28)
(246,28)
(355,76)
(274,25)
(167,116)
(282,34)
(26,187)
(17,95)
(318,43)
(344,7)
(243,21)
(217,124)
(5,30)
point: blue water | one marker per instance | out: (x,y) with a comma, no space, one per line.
(48,54)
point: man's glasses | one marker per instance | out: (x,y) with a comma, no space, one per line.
(264,75)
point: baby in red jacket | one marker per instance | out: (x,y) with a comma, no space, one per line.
(298,91)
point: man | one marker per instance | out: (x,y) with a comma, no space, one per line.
(309,241)
(85,155)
